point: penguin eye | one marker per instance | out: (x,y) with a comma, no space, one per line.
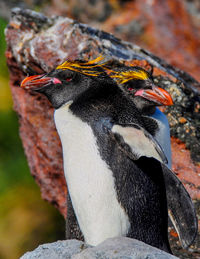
(68,79)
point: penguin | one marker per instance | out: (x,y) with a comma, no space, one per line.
(137,84)
(132,78)
(115,188)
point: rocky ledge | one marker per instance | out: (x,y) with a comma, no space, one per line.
(112,248)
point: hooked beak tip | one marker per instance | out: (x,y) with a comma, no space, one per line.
(37,82)
(163,96)
(31,82)
(157,95)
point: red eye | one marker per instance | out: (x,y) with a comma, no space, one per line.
(130,89)
(68,79)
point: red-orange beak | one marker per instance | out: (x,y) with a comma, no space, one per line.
(156,95)
(38,82)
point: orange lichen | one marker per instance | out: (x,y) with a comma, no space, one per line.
(188,172)
(173,233)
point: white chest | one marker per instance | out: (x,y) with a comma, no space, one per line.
(90,181)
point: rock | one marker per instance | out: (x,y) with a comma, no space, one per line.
(113,248)
(57,250)
(158,26)
(155,25)
(125,248)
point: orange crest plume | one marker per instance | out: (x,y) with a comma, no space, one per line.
(85,68)
(124,76)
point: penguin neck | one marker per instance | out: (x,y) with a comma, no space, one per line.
(106,100)
(96,93)
(148,111)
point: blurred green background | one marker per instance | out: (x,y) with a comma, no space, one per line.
(25,219)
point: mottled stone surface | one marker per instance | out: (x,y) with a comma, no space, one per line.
(113,248)
(125,248)
(37,44)
(57,250)
(168,28)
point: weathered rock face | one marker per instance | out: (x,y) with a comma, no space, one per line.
(169,28)
(37,44)
(163,27)
(112,248)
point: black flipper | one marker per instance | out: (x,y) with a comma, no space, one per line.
(72,228)
(135,136)
(180,208)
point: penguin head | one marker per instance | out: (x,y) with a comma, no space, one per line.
(138,84)
(67,82)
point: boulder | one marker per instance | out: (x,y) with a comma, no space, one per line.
(112,248)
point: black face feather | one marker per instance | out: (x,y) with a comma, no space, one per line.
(73,78)
(143,105)
(130,86)
(138,85)
(61,86)
(72,85)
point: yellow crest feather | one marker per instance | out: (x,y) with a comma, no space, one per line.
(85,68)
(124,76)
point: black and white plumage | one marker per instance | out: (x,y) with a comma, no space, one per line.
(116,188)
(134,81)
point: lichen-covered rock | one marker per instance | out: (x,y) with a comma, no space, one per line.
(163,27)
(155,25)
(113,248)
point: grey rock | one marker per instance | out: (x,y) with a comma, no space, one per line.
(112,248)
(57,250)
(123,248)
